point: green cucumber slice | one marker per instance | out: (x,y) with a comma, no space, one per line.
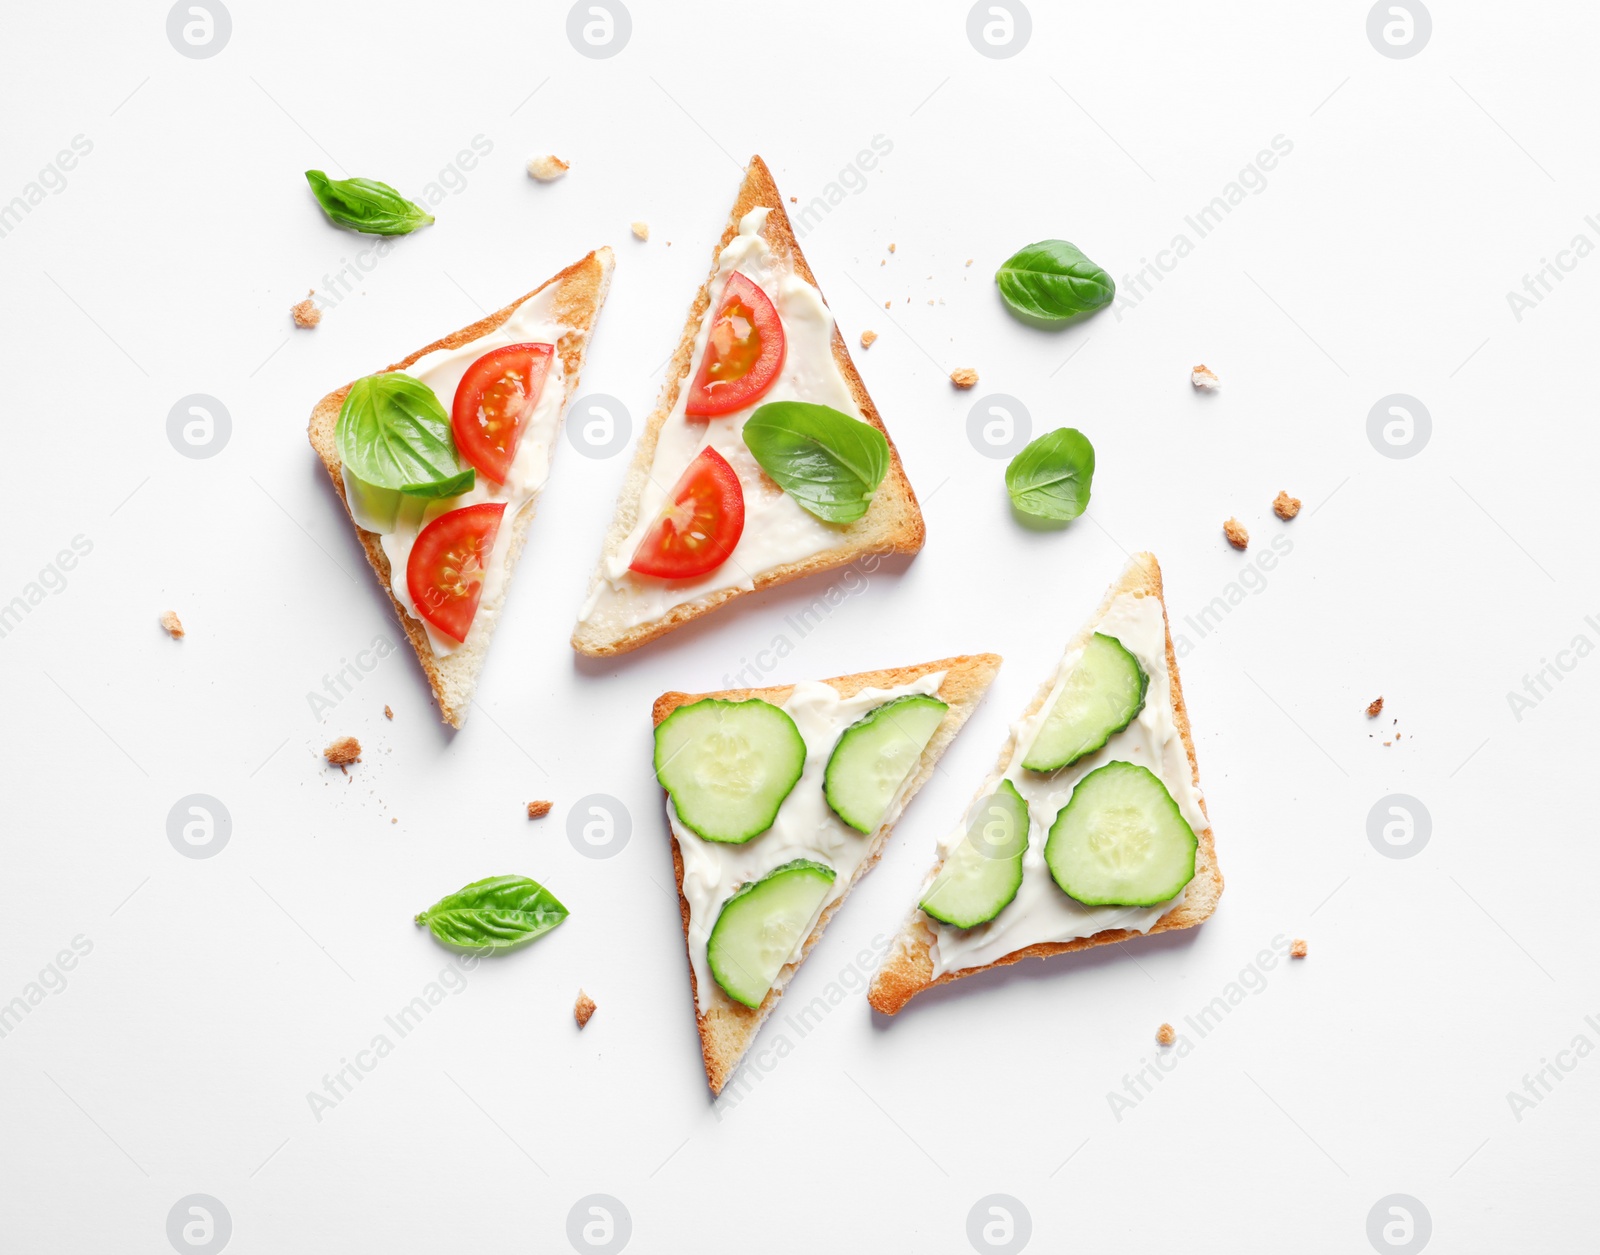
(875,754)
(983,873)
(760,926)
(1102,696)
(1120,840)
(728,765)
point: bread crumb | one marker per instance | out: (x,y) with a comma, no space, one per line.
(1165,1036)
(1374,708)
(883,261)
(387,713)
(886,305)
(867,337)
(969,261)
(342,752)
(891,248)
(1204,378)
(964,377)
(547,167)
(170,621)
(794,200)
(1285,506)
(583,1008)
(538,810)
(641,230)
(306,313)
(1237,536)
(1298,949)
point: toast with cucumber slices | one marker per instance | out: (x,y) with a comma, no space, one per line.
(778,801)
(1091,829)
(439,460)
(765,459)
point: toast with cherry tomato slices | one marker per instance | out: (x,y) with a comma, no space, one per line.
(716,529)
(571,301)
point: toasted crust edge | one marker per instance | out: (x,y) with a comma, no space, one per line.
(726,1032)
(585,284)
(908,968)
(893,524)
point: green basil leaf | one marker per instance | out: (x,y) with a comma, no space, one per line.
(394,433)
(827,461)
(494,914)
(1050,478)
(366,205)
(1052,281)
(452,487)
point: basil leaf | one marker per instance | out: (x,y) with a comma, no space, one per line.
(393,433)
(827,461)
(366,205)
(494,914)
(452,487)
(1050,478)
(1051,282)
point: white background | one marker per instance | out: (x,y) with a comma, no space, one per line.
(178,1057)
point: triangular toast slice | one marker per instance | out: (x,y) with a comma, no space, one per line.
(1043,920)
(805,825)
(570,302)
(624,610)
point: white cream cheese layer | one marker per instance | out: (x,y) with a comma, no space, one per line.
(805,827)
(398,518)
(776,529)
(1041,911)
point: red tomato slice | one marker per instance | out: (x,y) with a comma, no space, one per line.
(493,401)
(448,562)
(700,525)
(744,352)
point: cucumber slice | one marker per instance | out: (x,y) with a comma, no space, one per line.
(760,926)
(1120,840)
(728,765)
(984,872)
(875,754)
(1102,696)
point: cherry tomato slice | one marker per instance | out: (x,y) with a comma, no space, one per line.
(744,352)
(447,566)
(700,525)
(493,401)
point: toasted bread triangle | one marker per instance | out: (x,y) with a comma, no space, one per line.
(583,287)
(908,967)
(727,1029)
(893,524)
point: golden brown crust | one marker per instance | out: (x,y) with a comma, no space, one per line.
(343,752)
(727,1029)
(583,1008)
(908,968)
(894,522)
(583,291)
